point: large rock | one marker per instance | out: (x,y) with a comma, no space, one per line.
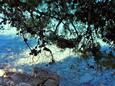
(39,77)
(51,82)
(44,76)
(23,84)
(19,77)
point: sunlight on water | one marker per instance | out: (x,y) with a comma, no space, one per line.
(44,57)
(14,51)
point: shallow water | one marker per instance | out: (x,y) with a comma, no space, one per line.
(72,71)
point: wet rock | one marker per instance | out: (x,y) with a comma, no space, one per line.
(23,84)
(44,76)
(19,77)
(39,77)
(10,83)
(51,82)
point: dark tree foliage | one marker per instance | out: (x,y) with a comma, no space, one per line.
(55,22)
